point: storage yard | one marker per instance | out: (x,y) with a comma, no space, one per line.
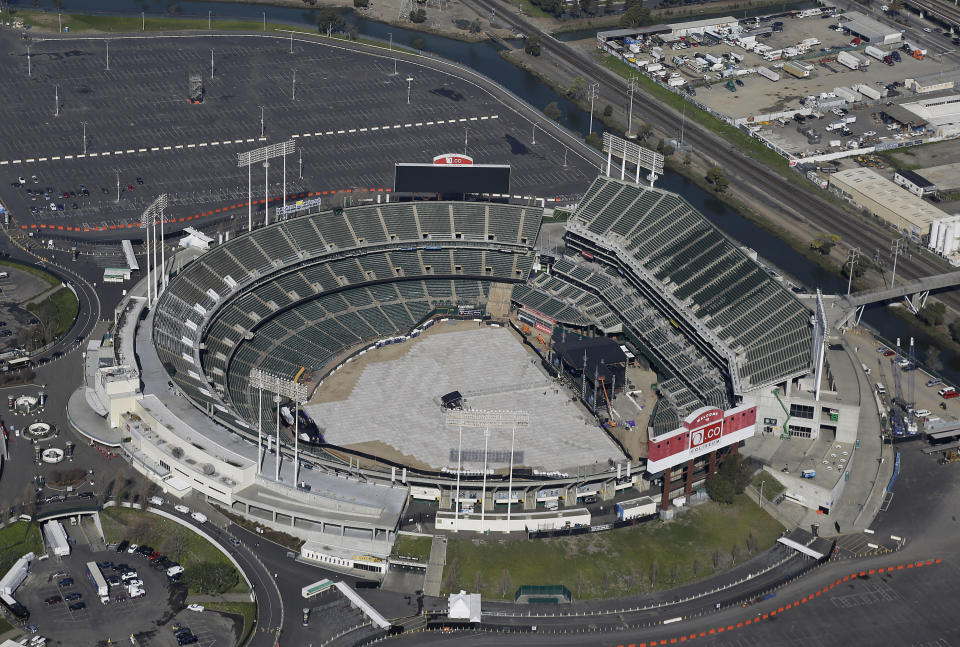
(760,72)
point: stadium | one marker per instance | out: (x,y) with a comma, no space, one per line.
(319,374)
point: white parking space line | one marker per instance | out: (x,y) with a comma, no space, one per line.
(153,149)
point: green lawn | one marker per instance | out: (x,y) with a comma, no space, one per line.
(164,535)
(651,556)
(4,626)
(78,22)
(16,540)
(57,312)
(36,271)
(772,488)
(246,609)
(412,546)
(530,9)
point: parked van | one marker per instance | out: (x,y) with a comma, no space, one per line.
(881,389)
(809,474)
(921,413)
(866,369)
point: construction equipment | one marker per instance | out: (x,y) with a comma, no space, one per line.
(526,329)
(606,399)
(540,339)
(195,88)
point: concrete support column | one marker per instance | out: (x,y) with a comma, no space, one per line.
(734,449)
(488,500)
(713,463)
(665,499)
(688,486)
(609,490)
(530,499)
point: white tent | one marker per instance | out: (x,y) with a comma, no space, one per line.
(464,606)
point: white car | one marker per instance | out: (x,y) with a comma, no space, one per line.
(927,30)
(199,517)
(921,413)
(195,607)
(182,509)
(135,583)
(127,577)
(132,548)
(155,500)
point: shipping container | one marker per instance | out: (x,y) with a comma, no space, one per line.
(767,73)
(874,52)
(635,508)
(849,60)
(795,70)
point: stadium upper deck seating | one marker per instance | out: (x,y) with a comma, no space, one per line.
(700,278)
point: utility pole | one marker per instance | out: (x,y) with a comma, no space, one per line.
(896,252)
(852,261)
(594,87)
(632,86)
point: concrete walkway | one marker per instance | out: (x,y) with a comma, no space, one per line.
(438,558)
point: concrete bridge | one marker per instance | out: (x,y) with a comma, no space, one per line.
(914,293)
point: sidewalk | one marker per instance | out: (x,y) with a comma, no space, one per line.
(438,557)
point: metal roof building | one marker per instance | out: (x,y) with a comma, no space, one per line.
(870,29)
(885,200)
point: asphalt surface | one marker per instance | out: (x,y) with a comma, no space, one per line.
(347,111)
(748,174)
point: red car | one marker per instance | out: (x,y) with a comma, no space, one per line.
(56,599)
(950,394)
(129,187)
(888,353)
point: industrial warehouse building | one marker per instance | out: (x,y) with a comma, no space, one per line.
(869,190)
(870,29)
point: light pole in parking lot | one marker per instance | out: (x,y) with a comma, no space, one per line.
(211,62)
(84,137)
(56,101)
(390,34)
(293,93)
(29,71)
(533,139)
(108,55)
(300,153)
(143,21)
(409,85)
(209,18)
(261,122)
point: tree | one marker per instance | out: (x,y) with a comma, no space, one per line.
(720,490)
(716,177)
(731,479)
(933,314)
(478,582)
(635,16)
(418,44)
(860,267)
(608,110)
(505,585)
(453,574)
(579,584)
(552,111)
(593,139)
(654,573)
(177,543)
(329,19)
(644,130)
(418,15)
(687,158)
(824,243)
(211,578)
(577,88)
(955,330)
(532,45)
(140,531)
(664,148)
(895,6)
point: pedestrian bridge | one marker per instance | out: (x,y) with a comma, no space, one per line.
(914,293)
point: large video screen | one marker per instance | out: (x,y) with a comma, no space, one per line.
(440,178)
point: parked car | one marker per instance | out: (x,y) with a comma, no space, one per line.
(182,509)
(77,606)
(155,500)
(123,545)
(53,599)
(195,607)
(73,596)
(65,582)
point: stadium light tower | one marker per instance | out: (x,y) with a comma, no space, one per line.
(264,154)
(282,388)
(148,220)
(488,420)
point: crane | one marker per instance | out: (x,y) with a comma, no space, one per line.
(606,399)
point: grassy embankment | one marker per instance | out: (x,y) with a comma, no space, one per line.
(246,610)
(16,540)
(170,538)
(648,557)
(412,546)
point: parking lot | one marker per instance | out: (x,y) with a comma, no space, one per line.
(350,118)
(75,615)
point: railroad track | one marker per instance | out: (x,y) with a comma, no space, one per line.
(752,176)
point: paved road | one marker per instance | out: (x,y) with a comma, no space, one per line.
(751,176)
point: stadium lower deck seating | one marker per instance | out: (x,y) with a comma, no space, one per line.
(299,292)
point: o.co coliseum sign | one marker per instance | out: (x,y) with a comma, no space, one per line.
(703,431)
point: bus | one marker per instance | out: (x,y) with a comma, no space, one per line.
(96,577)
(316,588)
(18,363)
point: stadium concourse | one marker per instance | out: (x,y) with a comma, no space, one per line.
(250,327)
